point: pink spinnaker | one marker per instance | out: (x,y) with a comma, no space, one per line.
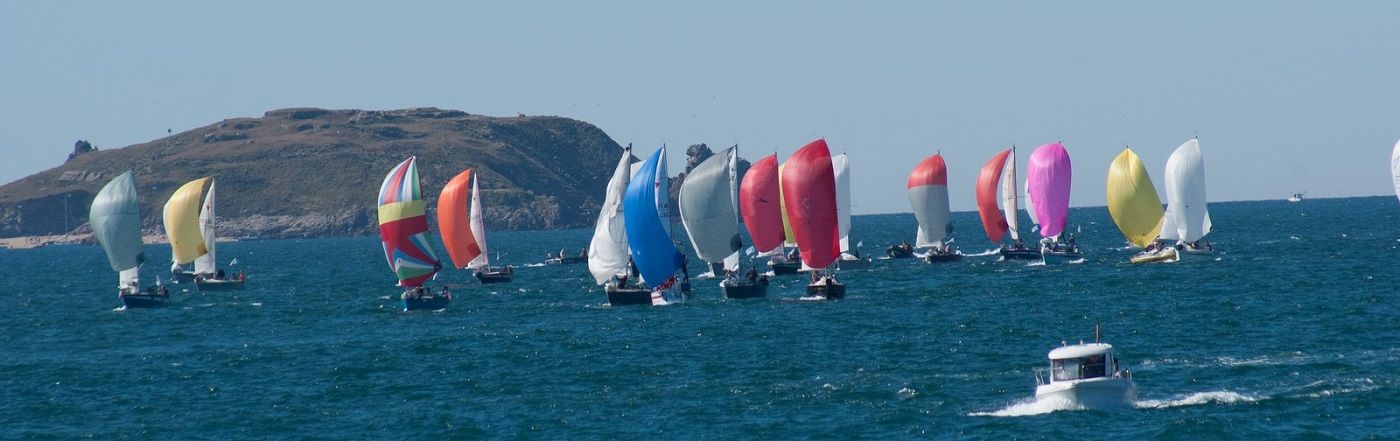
(1047,181)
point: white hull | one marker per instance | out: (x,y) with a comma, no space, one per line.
(1093,393)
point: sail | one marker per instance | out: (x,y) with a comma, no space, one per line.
(454,221)
(928,195)
(207,264)
(788,238)
(1185,182)
(1008,195)
(403,226)
(607,252)
(707,208)
(648,211)
(1030,204)
(1132,200)
(115,218)
(1047,183)
(479,228)
(841,167)
(1395,167)
(988,181)
(182,222)
(809,188)
(759,200)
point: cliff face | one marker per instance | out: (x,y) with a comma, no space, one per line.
(316,172)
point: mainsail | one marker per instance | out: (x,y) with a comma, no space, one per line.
(1186,218)
(988,181)
(759,201)
(454,220)
(1395,167)
(928,195)
(181,216)
(403,226)
(1008,195)
(1047,183)
(648,211)
(708,211)
(809,190)
(1132,200)
(207,264)
(841,168)
(116,223)
(607,252)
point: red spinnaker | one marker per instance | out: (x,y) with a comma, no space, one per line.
(758,202)
(809,187)
(454,221)
(987,183)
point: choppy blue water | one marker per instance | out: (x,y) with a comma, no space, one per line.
(1293,332)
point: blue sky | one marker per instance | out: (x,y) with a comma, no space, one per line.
(1285,96)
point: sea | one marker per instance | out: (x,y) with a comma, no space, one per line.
(1292,331)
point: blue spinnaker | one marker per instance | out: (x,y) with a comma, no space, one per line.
(647,208)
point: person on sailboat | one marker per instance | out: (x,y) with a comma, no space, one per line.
(752,275)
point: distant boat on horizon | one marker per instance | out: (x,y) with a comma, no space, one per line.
(1296,197)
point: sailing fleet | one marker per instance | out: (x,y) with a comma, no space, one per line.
(797,213)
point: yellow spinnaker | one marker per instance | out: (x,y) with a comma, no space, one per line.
(1132,200)
(788,237)
(182,222)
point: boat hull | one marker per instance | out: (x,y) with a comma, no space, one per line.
(785,268)
(426,303)
(145,300)
(218,285)
(182,276)
(1094,393)
(1168,255)
(1019,254)
(942,257)
(566,261)
(628,296)
(830,291)
(899,253)
(493,277)
(744,290)
(843,264)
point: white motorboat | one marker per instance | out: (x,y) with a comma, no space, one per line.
(1086,374)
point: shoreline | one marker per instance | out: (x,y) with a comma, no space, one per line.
(30,242)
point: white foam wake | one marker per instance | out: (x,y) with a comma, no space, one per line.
(533,265)
(1221,397)
(985,253)
(1032,406)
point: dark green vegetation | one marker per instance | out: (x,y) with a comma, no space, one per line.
(314,172)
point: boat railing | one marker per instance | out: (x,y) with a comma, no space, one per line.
(1042,376)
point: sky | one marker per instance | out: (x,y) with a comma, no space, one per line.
(1284,96)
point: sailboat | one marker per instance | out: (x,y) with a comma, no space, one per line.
(809,189)
(1135,209)
(1047,191)
(403,230)
(115,217)
(463,232)
(928,195)
(850,258)
(760,203)
(998,221)
(192,230)
(1395,167)
(647,208)
(609,260)
(709,211)
(1187,219)
(785,262)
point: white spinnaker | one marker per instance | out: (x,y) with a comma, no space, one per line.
(1186,193)
(478,227)
(1008,194)
(115,218)
(1395,167)
(708,211)
(207,264)
(607,252)
(930,203)
(840,164)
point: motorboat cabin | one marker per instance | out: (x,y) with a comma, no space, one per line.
(1087,374)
